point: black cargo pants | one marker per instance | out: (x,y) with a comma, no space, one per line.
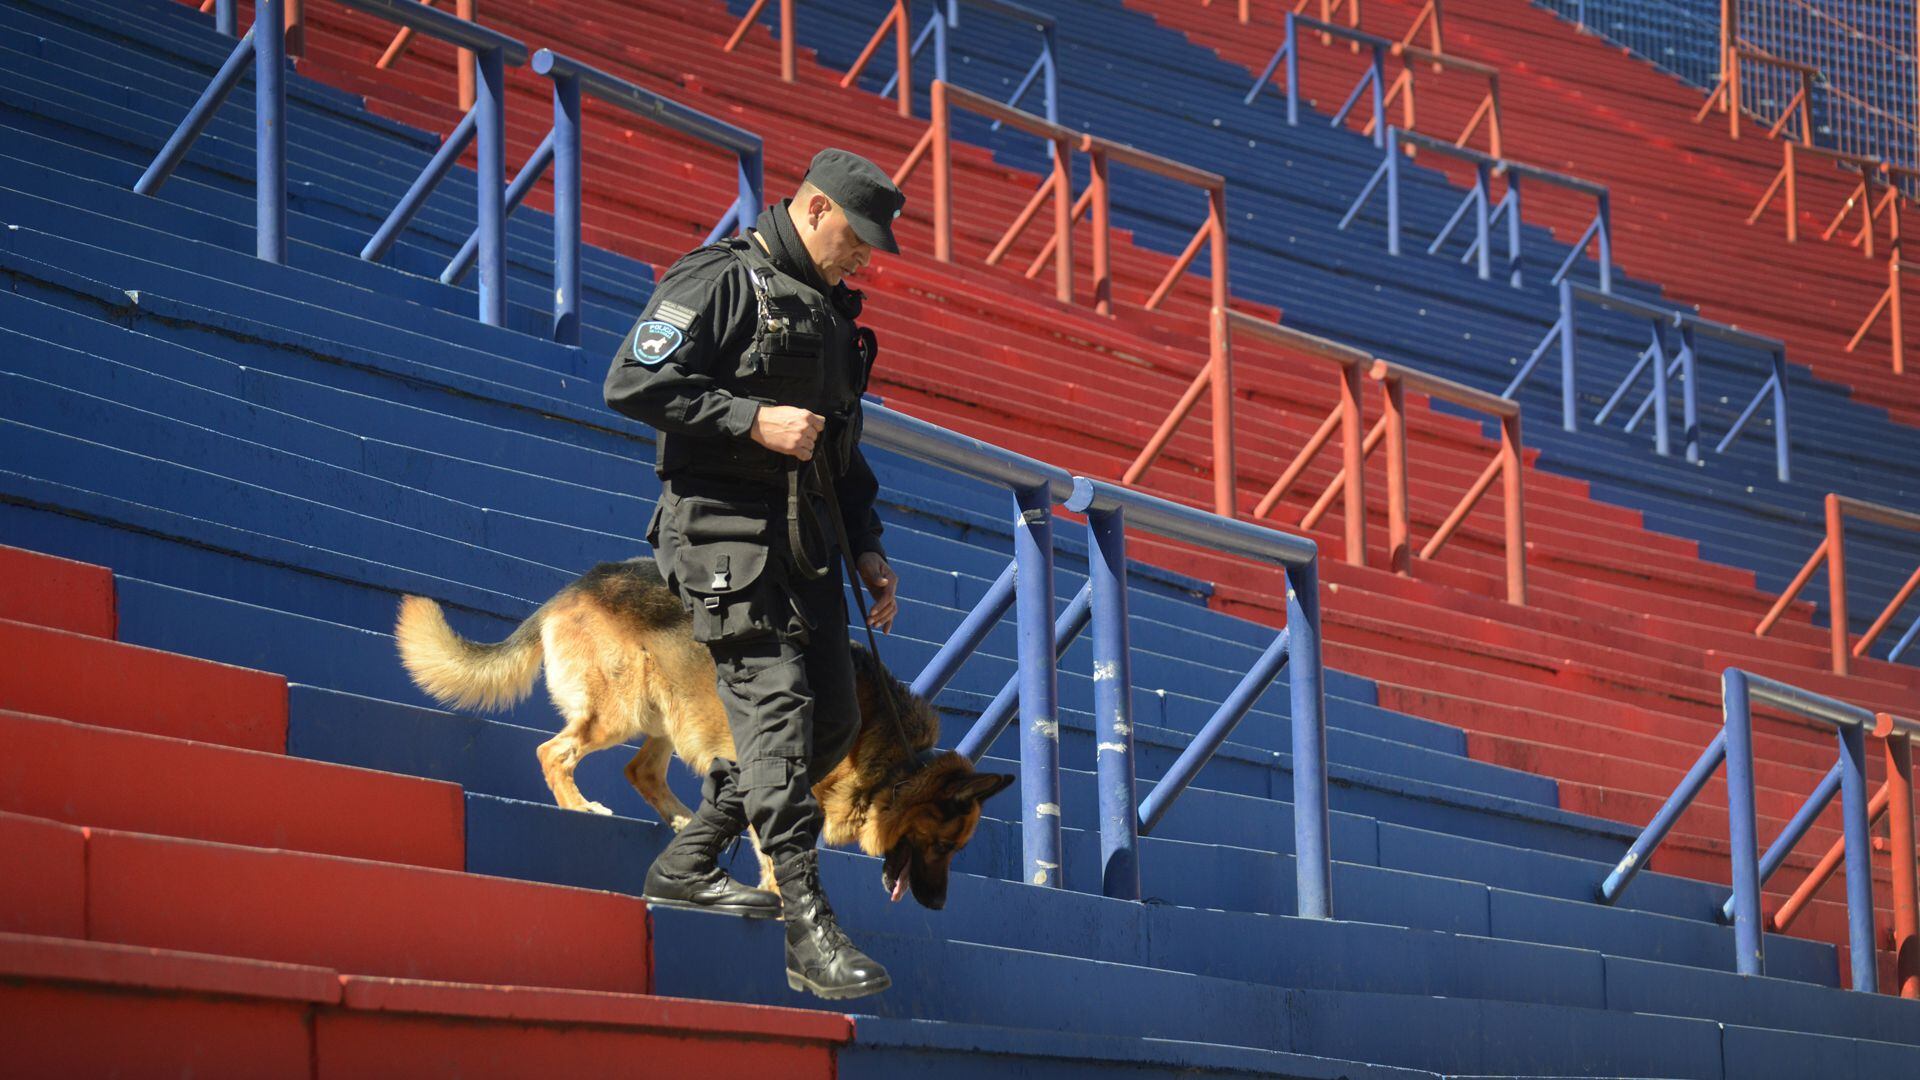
(780,645)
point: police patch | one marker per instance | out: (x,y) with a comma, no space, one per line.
(654,341)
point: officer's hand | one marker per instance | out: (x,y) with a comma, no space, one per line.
(787,430)
(882,583)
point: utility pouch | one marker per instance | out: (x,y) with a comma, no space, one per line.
(720,565)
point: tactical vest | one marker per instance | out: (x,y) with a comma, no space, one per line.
(785,364)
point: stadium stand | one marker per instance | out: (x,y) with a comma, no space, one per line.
(267,456)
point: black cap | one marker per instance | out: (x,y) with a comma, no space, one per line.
(866,194)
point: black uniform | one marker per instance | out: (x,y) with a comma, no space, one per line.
(743,533)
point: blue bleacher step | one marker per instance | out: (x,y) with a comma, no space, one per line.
(1182,875)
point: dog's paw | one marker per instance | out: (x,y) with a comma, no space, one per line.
(679,821)
(596,808)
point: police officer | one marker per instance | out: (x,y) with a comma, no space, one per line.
(748,361)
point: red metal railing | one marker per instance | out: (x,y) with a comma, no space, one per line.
(936,147)
(1348,417)
(1505,465)
(1787,180)
(1430,18)
(900,21)
(465,9)
(785,37)
(1833,551)
(1487,112)
(1893,801)
(1883,205)
(1726,93)
(1889,301)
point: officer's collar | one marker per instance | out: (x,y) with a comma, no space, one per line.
(787,250)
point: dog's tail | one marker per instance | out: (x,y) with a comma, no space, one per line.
(462,673)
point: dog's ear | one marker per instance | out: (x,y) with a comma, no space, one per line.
(979,787)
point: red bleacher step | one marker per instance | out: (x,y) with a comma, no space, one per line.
(43,877)
(412,1028)
(172,787)
(49,591)
(89,680)
(362,916)
(76,1008)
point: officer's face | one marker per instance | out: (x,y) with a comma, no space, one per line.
(837,250)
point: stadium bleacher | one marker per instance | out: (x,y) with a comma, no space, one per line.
(258,460)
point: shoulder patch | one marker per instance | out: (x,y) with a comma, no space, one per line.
(678,315)
(654,341)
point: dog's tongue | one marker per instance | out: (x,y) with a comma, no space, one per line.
(900,885)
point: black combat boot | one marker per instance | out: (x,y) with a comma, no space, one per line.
(819,956)
(687,874)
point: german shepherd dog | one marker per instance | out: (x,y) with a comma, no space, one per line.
(622,664)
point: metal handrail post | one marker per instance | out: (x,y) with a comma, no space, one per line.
(490,124)
(1795,831)
(939,24)
(1050,78)
(174,151)
(998,714)
(1861,946)
(1393,401)
(1513,206)
(1689,393)
(940,132)
(1039,716)
(1392,165)
(1905,640)
(226,17)
(1312,852)
(1782,446)
(1749,946)
(1477,200)
(1898,749)
(1289,54)
(565,140)
(1112,705)
(523,181)
(270,131)
(1569,402)
(1644,845)
(1663,434)
(966,637)
(1513,491)
(1603,236)
(1837,585)
(1215,731)
(437,167)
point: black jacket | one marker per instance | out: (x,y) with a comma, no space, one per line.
(688,369)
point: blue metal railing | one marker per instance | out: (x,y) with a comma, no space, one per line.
(945,22)
(1102,602)
(264,49)
(561,149)
(1374,77)
(1734,746)
(1108,509)
(1028,582)
(1487,213)
(1666,363)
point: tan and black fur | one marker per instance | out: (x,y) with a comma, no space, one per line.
(621,664)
